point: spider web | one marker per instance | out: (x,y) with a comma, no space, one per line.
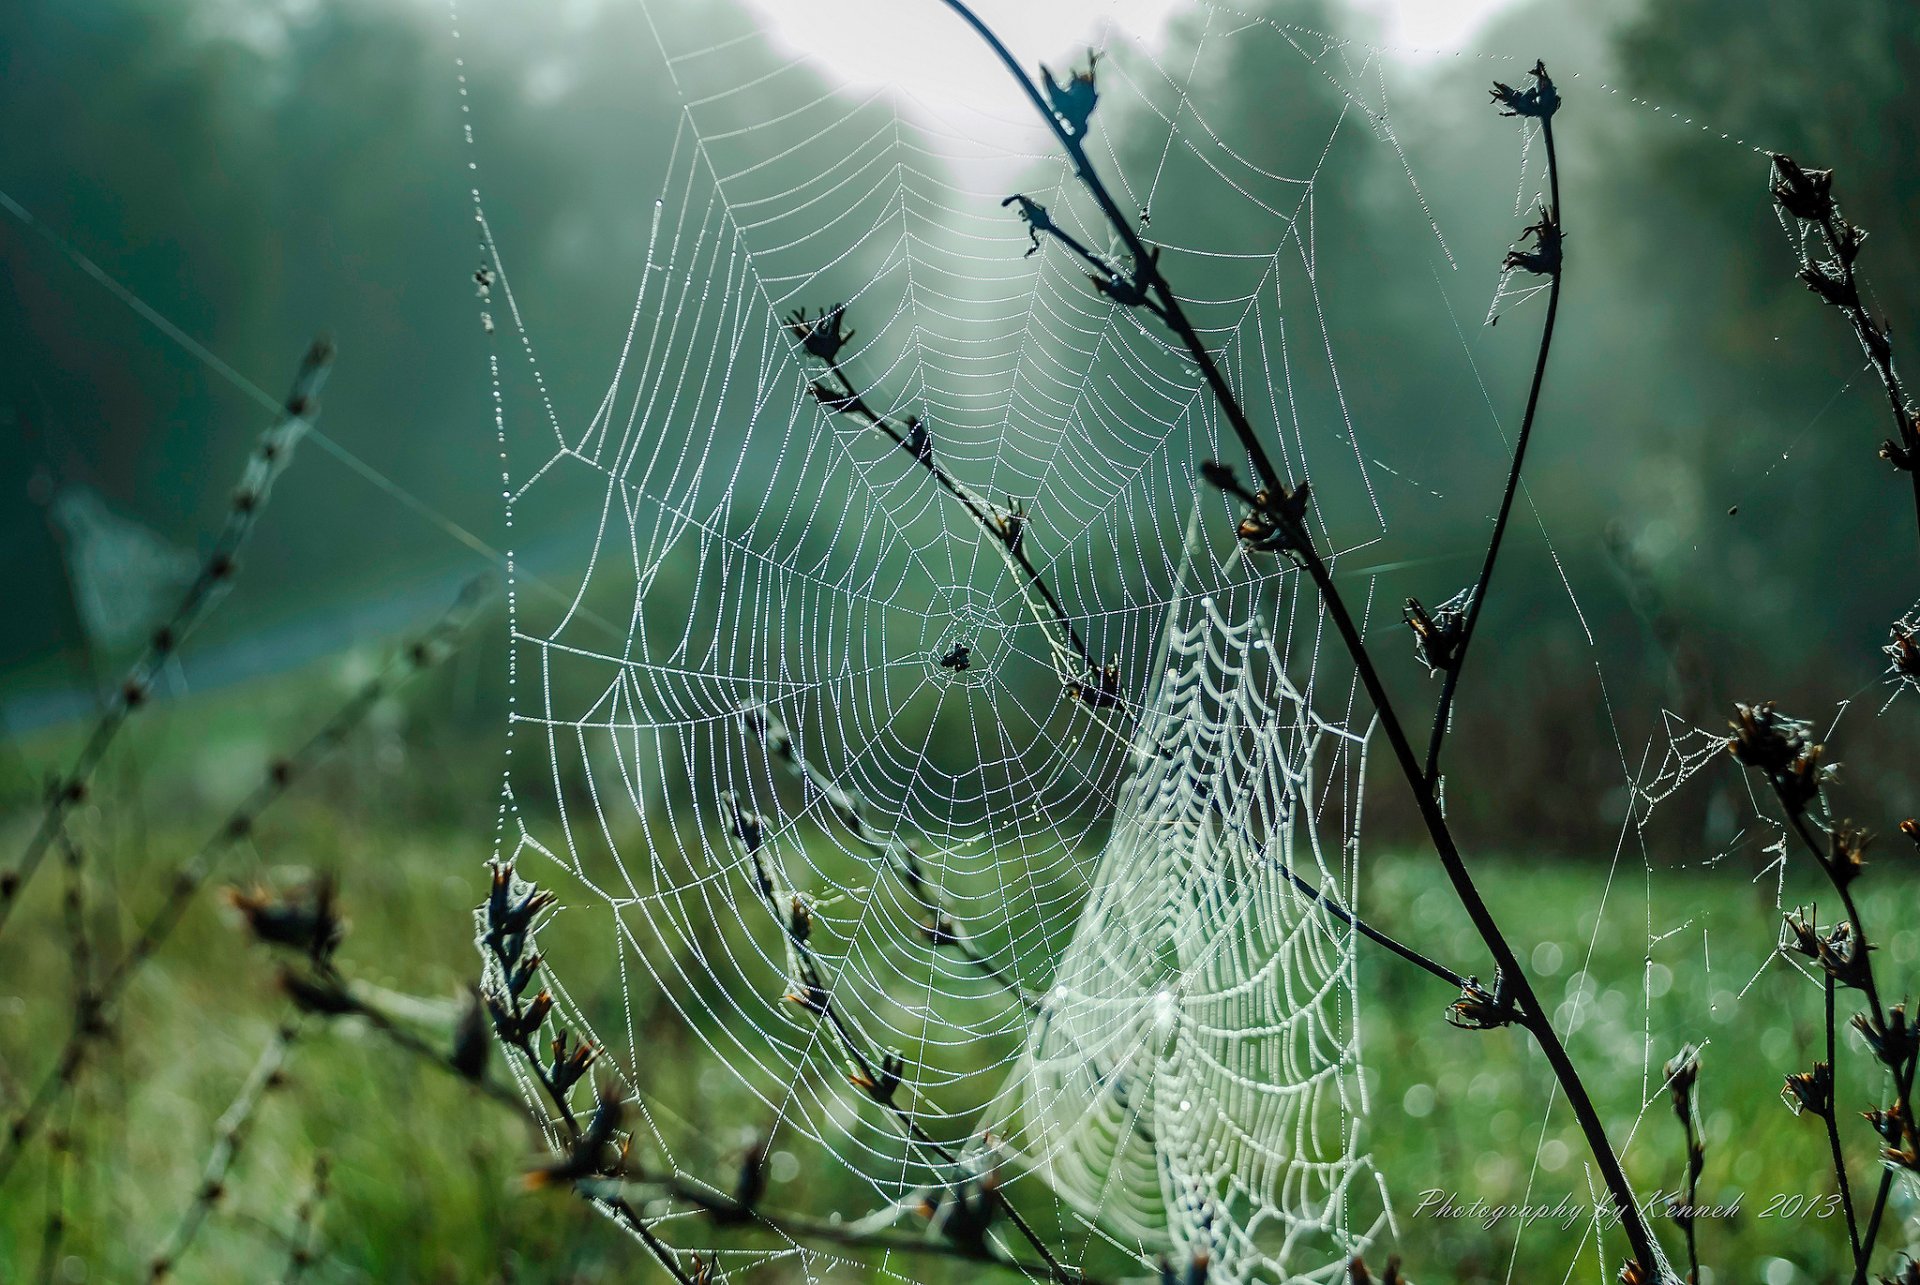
(1077,928)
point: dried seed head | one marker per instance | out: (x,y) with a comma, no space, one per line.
(1810,1092)
(822,336)
(1805,194)
(1072,103)
(1480,1009)
(1539,100)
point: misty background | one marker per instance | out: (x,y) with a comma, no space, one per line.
(257,173)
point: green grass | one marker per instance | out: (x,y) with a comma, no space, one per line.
(424,1172)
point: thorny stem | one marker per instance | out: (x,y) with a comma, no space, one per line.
(1904,1096)
(1530,1013)
(1833,1139)
(817,998)
(722,1210)
(522,1043)
(304,1239)
(188,879)
(900,854)
(230,1137)
(270,456)
(1903,1075)
(1443,713)
(1007,537)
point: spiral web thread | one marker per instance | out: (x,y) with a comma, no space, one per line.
(1146,1031)
(1194,1075)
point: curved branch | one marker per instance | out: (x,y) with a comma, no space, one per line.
(1443,713)
(1286,514)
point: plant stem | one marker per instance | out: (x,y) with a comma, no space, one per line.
(1443,713)
(1833,1140)
(1532,1015)
(269,458)
(188,879)
(848,400)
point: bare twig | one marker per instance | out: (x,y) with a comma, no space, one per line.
(427,650)
(1546,257)
(304,1238)
(1806,196)
(1085,679)
(1278,524)
(270,456)
(1683,1076)
(1833,1140)
(230,1138)
(881,1076)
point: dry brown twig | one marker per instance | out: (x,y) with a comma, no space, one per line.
(91,1017)
(269,459)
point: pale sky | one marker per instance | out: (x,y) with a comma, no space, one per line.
(955,85)
(868,42)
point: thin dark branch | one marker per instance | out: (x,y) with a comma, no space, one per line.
(269,458)
(1807,196)
(304,1238)
(1550,221)
(1833,1142)
(229,1139)
(1085,677)
(880,1078)
(427,650)
(1903,1099)
(507,939)
(941,928)
(1285,512)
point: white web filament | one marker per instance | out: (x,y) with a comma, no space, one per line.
(1079,932)
(1193,1077)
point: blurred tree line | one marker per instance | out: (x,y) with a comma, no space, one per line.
(1705,465)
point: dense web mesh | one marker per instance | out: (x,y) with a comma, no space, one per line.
(798,743)
(1193,1075)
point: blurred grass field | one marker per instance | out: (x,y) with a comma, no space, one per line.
(424,1171)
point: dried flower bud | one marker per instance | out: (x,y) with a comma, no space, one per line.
(1544,258)
(1805,194)
(1846,854)
(590,1154)
(471,1045)
(1810,1092)
(885,1081)
(570,1061)
(822,336)
(1903,650)
(1539,100)
(1072,103)
(1683,1073)
(1480,1009)
(1100,690)
(302,920)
